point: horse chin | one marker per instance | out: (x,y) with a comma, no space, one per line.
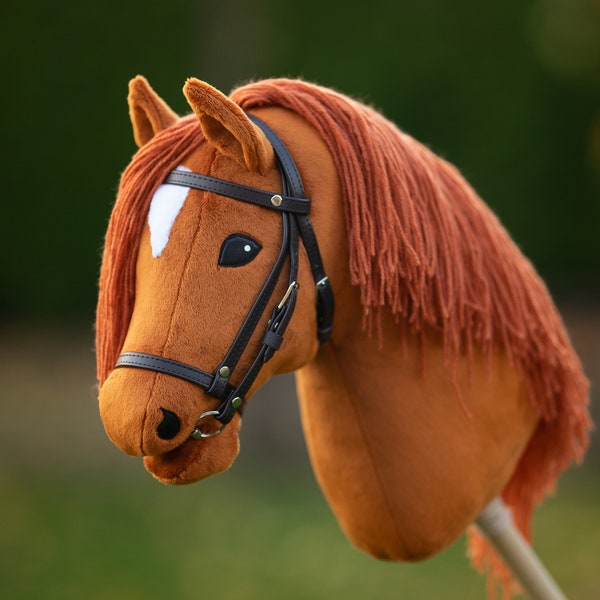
(196,459)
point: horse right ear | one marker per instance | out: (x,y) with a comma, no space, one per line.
(149,113)
(228,128)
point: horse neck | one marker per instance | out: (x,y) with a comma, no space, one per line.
(366,353)
(362,348)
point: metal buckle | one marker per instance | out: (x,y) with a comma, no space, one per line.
(293,286)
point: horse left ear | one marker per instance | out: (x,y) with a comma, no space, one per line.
(148,111)
(227,127)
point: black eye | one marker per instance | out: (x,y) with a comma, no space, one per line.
(238,250)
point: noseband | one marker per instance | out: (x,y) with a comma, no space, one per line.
(294,209)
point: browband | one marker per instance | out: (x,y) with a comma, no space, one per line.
(298,206)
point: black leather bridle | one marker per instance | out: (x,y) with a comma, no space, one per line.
(294,209)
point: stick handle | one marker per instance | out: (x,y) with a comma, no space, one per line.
(495,522)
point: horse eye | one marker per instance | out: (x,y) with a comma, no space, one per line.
(238,250)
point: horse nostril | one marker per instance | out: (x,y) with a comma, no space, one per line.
(169,426)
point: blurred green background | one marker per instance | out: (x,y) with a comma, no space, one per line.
(508,91)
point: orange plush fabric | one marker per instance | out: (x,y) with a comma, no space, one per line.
(224,124)
(148,112)
(461,382)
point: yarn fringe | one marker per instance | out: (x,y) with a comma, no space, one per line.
(500,582)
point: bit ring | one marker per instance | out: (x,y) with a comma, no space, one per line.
(198,434)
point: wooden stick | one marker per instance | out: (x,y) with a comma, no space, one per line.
(496,523)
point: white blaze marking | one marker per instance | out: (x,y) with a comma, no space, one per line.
(166,204)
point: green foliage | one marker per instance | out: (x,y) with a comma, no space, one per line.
(99,535)
(507,91)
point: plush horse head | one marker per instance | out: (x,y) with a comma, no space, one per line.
(443,378)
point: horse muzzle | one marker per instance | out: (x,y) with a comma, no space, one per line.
(151,414)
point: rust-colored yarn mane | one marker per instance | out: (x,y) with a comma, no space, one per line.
(117,275)
(422,245)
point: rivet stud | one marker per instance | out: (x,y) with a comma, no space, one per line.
(276,200)
(224,371)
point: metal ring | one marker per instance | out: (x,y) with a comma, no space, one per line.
(198,434)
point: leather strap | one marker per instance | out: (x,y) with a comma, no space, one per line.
(325,298)
(296,225)
(141,360)
(297,205)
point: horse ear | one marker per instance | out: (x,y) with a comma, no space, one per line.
(148,112)
(227,127)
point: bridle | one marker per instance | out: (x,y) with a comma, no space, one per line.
(294,209)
